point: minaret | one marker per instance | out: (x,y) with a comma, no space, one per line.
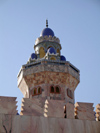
(47,74)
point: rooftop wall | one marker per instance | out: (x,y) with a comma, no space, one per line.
(34,124)
(40,116)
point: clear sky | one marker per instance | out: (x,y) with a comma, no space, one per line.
(75,22)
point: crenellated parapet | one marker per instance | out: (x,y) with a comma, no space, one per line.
(8,105)
(47,108)
(50,108)
(32,107)
(47,38)
(84,111)
(98,112)
(59,109)
(54,108)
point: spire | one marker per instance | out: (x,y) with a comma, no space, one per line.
(46,23)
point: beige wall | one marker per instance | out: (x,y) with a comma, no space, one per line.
(34,124)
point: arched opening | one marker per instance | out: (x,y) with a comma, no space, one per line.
(69,93)
(49,47)
(39,90)
(52,89)
(42,52)
(58,51)
(52,58)
(57,89)
(34,93)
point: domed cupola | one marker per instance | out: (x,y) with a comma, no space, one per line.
(47,31)
(62,58)
(33,56)
(46,40)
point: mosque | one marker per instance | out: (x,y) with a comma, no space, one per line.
(48,82)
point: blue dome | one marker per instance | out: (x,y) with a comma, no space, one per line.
(62,58)
(33,56)
(47,32)
(51,50)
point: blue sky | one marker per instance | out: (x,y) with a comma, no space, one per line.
(75,22)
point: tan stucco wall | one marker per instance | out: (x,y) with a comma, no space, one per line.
(34,124)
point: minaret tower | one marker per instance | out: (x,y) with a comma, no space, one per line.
(47,75)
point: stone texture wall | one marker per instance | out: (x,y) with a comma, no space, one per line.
(84,111)
(8,105)
(34,107)
(47,108)
(46,79)
(46,66)
(34,124)
(48,73)
(50,78)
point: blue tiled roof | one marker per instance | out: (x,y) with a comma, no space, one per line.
(47,32)
(33,56)
(62,58)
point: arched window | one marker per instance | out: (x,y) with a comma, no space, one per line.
(57,89)
(52,58)
(52,90)
(69,93)
(41,52)
(34,93)
(39,90)
(58,51)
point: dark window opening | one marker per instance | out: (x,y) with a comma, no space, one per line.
(34,91)
(39,90)
(57,90)
(52,89)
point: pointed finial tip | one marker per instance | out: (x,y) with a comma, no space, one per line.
(46,23)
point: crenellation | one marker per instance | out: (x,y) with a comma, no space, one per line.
(32,106)
(46,38)
(84,111)
(70,111)
(98,112)
(54,108)
(8,105)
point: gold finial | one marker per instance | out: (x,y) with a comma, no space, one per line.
(46,23)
